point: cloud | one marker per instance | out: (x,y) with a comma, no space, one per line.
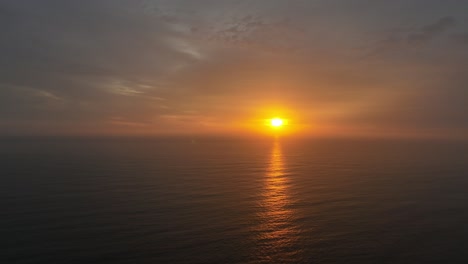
(168,66)
(402,39)
(431,31)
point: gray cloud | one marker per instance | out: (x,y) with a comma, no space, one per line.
(431,31)
(164,66)
(407,38)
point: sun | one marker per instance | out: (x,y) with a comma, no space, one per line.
(276,122)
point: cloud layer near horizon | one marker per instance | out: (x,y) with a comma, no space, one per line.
(150,67)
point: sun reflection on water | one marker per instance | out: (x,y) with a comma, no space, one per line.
(277,232)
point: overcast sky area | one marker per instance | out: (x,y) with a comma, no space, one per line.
(355,67)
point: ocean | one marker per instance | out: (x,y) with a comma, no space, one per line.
(228,200)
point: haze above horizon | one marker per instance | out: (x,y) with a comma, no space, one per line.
(330,68)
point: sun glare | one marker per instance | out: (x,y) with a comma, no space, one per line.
(276,122)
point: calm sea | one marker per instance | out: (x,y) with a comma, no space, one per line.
(186,200)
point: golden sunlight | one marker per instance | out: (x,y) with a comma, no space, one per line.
(276,122)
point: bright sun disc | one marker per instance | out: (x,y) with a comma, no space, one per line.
(276,122)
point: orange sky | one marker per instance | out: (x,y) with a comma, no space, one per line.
(178,67)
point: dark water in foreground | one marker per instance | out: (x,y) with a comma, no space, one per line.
(233,201)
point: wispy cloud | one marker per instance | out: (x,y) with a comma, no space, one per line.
(431,31)
(154,64)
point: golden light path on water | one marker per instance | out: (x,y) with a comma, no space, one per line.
(277,231)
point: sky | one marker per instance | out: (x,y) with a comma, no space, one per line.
(331,67)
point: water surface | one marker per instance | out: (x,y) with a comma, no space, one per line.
(189,200)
